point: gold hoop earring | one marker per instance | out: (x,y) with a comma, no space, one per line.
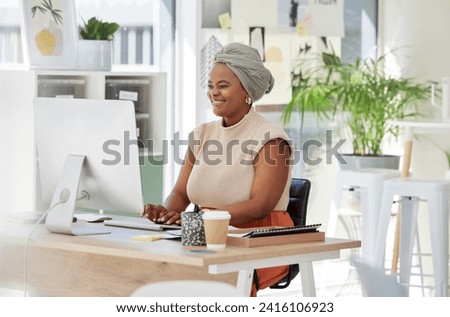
(248,100)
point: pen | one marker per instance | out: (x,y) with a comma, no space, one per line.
(148,238)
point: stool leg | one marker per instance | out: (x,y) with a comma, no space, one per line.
(371,204)
(438,214)
(383,225)
(408,229)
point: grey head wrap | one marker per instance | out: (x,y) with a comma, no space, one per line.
(246,64)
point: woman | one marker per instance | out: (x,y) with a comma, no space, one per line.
(239,163)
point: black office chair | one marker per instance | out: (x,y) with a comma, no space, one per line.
(297,208)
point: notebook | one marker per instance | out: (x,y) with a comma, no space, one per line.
(269,232)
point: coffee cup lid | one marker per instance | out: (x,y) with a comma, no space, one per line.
(217,214)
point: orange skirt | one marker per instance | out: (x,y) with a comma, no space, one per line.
(269,276)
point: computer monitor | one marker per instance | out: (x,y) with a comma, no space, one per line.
(88,157)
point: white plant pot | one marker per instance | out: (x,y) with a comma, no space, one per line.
(447,174)
(368,161)
(94,55)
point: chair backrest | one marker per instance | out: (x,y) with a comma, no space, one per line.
(297,209)
(188,288)
(298,200)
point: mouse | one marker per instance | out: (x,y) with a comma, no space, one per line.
(97,218)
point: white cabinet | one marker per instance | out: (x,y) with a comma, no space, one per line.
(146,90)
(18,88)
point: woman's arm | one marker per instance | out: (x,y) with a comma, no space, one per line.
(271,175)
(177,201)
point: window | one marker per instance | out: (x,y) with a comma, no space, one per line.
(10,39)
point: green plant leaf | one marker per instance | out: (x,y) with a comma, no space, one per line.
(327,87)
(96,29)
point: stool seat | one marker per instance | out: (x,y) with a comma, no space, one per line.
(370,182)
(436,193)
(363,173)
(411,185)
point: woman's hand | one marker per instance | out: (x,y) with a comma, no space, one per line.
(159,214)
(154,212)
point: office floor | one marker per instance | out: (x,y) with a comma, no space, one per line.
(341,279)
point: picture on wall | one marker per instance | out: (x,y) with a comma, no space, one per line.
(253,13)
(257,40)
(50,32)
(291,12)
(213,11)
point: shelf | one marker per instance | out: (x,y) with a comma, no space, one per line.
(21,87)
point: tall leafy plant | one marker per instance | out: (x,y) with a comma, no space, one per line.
(363,91)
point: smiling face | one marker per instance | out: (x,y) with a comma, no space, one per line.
(227,95)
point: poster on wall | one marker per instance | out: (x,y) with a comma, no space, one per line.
(50,31)
(326,18)
(212,41)
(277,51)
(292,12)
(216,14)
(278,61)
(253,13)
(256,39)
(272,33)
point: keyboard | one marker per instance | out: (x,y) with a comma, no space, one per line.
(140,223)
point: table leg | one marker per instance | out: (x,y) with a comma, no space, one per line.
(307,276)
(244,281)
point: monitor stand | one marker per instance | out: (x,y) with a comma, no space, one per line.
(60,217)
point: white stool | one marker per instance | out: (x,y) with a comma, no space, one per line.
(436,193)
(370,182)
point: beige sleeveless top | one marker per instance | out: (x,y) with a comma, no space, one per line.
(223,171)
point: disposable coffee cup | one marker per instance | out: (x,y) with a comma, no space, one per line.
(192,229)
(216,228)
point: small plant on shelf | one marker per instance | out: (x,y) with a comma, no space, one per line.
(96,29)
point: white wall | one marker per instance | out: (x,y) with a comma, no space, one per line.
(16,142)
(422,28)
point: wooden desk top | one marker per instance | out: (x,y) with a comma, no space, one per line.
(120,243)
(115,264)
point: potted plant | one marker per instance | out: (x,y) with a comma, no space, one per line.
(95,48)
(361,93)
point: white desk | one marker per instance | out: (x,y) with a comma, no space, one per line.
(115,265)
